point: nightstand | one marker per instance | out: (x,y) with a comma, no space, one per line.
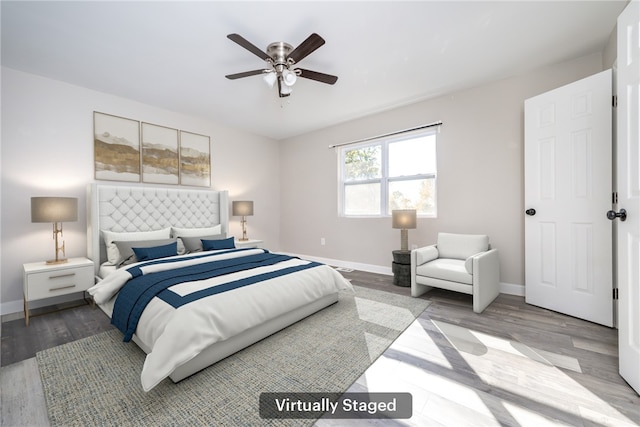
(401,268)
(42,280)
(251,243)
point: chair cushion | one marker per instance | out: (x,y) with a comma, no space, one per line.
(426,254)
(446,269)
(461,246)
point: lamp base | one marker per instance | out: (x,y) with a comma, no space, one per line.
(404,239)
(243,240)
(59,249)
(244,230)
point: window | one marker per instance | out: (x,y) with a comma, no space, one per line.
(386,174)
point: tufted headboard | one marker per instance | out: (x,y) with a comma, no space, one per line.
(138,208)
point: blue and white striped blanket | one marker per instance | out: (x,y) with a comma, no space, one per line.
(142,288)
(178,306)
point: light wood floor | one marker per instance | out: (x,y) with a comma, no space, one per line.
(515,365)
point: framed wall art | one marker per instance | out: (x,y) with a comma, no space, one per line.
(116,147)
(195,159)
(160,157)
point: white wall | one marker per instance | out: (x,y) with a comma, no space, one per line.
(47,149)
(480,174)
(0,216)
(610,51)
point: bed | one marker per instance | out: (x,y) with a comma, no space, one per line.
(237,306)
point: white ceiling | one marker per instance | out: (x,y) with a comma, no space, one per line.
(386,53)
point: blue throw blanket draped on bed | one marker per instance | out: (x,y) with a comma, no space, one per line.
(142,288)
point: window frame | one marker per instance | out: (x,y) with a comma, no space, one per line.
(385,179)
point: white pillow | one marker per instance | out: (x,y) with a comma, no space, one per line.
(113,254)
(195,232)
(461,246)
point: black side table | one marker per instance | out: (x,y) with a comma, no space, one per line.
(401,268)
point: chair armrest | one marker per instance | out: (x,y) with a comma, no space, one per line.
(487,266)
(486,279)
(423,255)
(481,258)
(418,257)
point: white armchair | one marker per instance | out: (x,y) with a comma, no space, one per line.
(458,262)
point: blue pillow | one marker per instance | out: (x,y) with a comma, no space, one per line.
(194,244)
(154,252)
(212,245)
(127,256)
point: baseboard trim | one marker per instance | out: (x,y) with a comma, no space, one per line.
(511,289)
(370,268)
(505,288)
(12,310)
(11,307)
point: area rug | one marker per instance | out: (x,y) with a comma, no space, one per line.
(96,380)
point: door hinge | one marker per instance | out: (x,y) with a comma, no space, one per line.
(614,197)
(615,293)
(614,101)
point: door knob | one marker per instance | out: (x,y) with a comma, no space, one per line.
(613,215)
(530,212)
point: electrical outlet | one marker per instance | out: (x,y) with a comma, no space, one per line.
(322,241)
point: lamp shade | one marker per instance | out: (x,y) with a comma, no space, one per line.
(270,78)
(403,218)
(54,209)
(242,208)
(289,77)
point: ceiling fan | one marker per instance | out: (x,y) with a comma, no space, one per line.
(281,58)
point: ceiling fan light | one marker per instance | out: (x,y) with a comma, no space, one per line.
(289,77)
(270,78)
(285,90)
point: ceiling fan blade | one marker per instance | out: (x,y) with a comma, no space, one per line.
(248,45)
(305,48)
(244,74)
(320,77)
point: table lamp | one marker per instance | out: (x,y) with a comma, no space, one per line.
(404,219)
(244,209)
(55,210)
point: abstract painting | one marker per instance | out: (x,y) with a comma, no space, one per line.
(160,160)
(116,145)
(195,159)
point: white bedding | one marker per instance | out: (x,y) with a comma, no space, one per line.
(106,268)
(175,336)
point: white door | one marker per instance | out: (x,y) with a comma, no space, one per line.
(628,180)
(568,174)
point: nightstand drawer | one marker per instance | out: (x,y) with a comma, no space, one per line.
(59,282)
(251,243)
